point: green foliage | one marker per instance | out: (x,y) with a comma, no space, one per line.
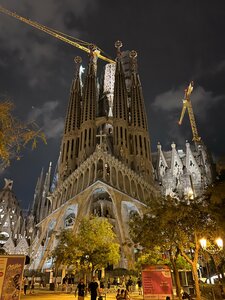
(180,224)
(216,195)
(94,245)
(182,264)
(152,257)
(176,226)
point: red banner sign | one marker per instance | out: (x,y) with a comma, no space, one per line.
(11,273)
(157,282)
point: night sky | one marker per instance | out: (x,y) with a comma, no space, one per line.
(177,41)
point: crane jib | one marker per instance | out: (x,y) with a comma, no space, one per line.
(54,33)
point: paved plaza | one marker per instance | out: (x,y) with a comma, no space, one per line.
(47,295)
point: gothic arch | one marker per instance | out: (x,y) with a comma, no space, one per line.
(120,180)
(92,173)
(101,204)
(86,178)
(80,183)
(133,188)
(114,181)
(140,192)
(127,184)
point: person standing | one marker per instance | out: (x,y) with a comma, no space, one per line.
(93,288)
(32,285)
(139,282)
(81,287)
(25,285)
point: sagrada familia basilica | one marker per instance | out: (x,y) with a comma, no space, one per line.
(105,166)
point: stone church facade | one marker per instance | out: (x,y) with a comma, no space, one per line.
(105,166)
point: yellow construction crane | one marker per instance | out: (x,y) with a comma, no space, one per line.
(187,105)
(59,35)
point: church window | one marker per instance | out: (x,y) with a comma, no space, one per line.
(136,144)
(85,137)
(72,145)
(140,142)
(67,146)
(77,147)
(89,137)
(145,147)
(81,139)
(63,152)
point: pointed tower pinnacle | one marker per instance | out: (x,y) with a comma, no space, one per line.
(70,141)
(88,128)
(120,109)
(139,141)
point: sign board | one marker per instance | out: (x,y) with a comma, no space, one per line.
(157,282)
(11,273)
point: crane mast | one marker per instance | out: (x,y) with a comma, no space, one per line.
(187,105)
(58,35)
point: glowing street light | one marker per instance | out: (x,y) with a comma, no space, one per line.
(214,249)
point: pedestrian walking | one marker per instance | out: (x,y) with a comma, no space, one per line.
(129,284)
(118,294)
(126,295)
(81,288)
(93,288)
(139,282)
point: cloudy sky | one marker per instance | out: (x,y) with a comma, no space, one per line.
(176,40)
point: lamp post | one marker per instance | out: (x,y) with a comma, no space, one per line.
(214,249)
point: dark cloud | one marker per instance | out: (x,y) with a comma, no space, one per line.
(177,41)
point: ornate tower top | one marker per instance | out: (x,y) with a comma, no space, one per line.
(118,45)
(78,61)
(133,56)
(8,184)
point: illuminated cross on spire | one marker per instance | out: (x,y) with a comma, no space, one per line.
(101,135)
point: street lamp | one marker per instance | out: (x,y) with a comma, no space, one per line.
(214,249)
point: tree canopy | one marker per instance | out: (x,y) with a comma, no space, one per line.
(180,224)
(94,245)
(14,134)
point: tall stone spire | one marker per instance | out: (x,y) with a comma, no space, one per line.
(88,128)
(120,109)
(70,141)
(139,142)
(44,207)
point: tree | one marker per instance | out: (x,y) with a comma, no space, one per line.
(216,196)
(180,226)
(15,135)
(94,245)
(160,241)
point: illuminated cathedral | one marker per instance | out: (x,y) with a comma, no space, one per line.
(105,165)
